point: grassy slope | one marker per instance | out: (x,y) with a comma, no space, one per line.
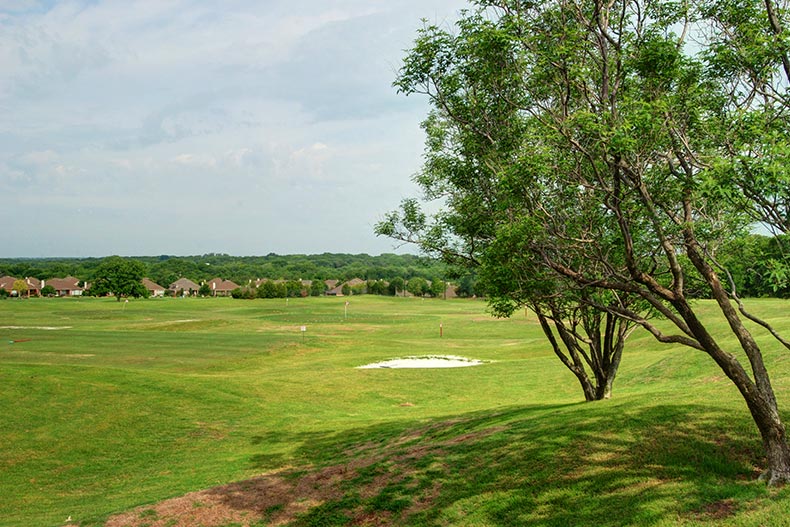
(140,401)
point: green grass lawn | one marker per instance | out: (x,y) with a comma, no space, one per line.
(127,404)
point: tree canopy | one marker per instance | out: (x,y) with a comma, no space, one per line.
(121,277)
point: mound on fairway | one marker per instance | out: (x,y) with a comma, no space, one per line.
(430,361)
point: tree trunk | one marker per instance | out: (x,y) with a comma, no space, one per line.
(589,390)
(597,386)
(761,403)
(777,451)
(758,393)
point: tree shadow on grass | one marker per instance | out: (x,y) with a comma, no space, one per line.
(601,464)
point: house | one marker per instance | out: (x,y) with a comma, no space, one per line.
(357,282)
(7,283)
(68,286)
(153,288)
(184,287)
(449,291)
(337,290)
(220,287)
(33,286)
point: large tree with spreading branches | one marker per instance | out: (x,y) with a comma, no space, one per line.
(593,155)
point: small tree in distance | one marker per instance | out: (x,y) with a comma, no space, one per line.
(396,284)
(120,277)
(20,286)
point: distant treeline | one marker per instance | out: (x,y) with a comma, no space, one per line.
(759,266)
(165,269)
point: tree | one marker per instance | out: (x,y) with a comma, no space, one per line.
(293,288)
(20,286)
(756,265)
(747,52)
(267,289)
(466,285)
(204,289)
(317,288)
(121,277)
(396,284)
(586,140)
(48,290)
(437,288)
(417,286)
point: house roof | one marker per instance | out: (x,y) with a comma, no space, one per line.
(335,291)
(151,285)
(33,282)
(184,283)
(218,284)
(356,281)
(64,284)
(7,282)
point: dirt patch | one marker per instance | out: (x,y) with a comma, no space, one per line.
(275,498)
(718,510)
(281,497)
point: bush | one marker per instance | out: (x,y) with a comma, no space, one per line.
(244,293)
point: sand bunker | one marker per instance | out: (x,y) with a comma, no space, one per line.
(430,361)
(47,328)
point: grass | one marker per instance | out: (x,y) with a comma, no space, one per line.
(133,403)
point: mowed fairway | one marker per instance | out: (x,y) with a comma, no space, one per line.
(108,405)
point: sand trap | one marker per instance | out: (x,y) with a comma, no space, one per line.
(47,328)
(430,361)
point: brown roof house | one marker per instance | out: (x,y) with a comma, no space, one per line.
(220,287)
(7,283)
(33,285)
(68,286)
(184,287)
(153,288)
(354,283)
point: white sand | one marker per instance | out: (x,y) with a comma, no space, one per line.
(48,328)
(432,361)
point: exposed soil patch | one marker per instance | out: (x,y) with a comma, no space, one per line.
(275,498)
(281,497)
(718,510)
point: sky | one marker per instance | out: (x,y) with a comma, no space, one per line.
(185,127)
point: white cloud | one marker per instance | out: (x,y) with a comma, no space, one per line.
(283,109)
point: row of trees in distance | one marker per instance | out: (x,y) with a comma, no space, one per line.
(166,269)
(416,286)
